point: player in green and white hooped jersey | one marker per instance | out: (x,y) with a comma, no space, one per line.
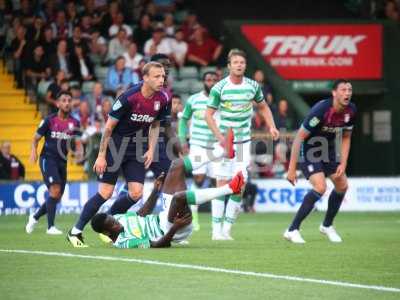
(202,139)
(233,98)
(144,230)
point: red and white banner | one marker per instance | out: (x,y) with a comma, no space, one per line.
(320,51)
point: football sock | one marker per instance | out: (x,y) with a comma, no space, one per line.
(217,212)
(122,204)
(204,195)
(89,210)
(231,212)
(41,211)
(334,202)
(194,209)
(51,205)
(306,207)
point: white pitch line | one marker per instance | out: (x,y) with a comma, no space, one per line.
(209,269)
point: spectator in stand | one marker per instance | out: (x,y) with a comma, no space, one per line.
(93,12)
(77,40)
(72,14)
(179,49)
(12,33)
(98,45)
(283,120)
(106,22)
(11,168)
(220,73)
(157,44)
(120,76)
(81,65)
(87,26)
(84,116)
(281,162)
(19,48)
(139,71)
(203,50)
(36,68)
(49,12)
(105,110)
(60,84)
(96,98)
(35,31)
(189,25)
(132,57)
(169,25)
(77,98)
(266,89)
(118,23)
(392,11)
(60,26)
(143,32)
(118,45)
(61,60)
(25,13)
(48,42)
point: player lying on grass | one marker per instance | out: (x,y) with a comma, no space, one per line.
(144,230)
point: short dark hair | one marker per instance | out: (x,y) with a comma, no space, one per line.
(98,222)
(337,82)
(208,73)
(63,93)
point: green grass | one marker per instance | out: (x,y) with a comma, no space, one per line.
(369,255)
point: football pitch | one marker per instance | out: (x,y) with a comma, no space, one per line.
(259,264)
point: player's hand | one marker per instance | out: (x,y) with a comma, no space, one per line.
(180,222)
(340,170)
(292,176)
(33,158)
(159,182)
(274,133)
(148,158)
(100,165)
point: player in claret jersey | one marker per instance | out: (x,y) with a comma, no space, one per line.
(141,107)
(57,129)
(315,143)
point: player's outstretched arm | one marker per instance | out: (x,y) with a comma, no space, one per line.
(301,135)
(165,241)
(148,206)
(100,165)
(266,113)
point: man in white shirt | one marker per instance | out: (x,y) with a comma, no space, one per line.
(157,44)
(179,48)
(118,22)
(132,57)
(118,45)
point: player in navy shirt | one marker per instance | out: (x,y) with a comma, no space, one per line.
(320,155)
(141,107)
(58,130)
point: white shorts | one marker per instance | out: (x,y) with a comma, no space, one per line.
(199,157)
(227,168)
(183,233)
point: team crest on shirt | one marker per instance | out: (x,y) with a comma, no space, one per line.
(70,126)
(157,105)
(314,122)
(346,118)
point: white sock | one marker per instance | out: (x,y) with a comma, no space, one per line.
(231,213)
(217,213)
(205,195)
(75,230)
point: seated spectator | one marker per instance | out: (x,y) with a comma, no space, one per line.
(25,13)
(60,84)
(81,65)
(169,25)
(87,26)
(392,11)
(77,40)
(96,98)
(76,98)
(118,46)
(220,73)
(48,42)
(143,32)
(266,89)
(11,168)
(120,76)
(98,45)
(61,60)
(49,12)
(106,21)
(189,25)
(157,44)
(283,120)
(72,14)
(203,51)
(132,57)
(20,50)
(84,116)
(118,23)
(60,26)
(35,31)
(36,68)
(179,49)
